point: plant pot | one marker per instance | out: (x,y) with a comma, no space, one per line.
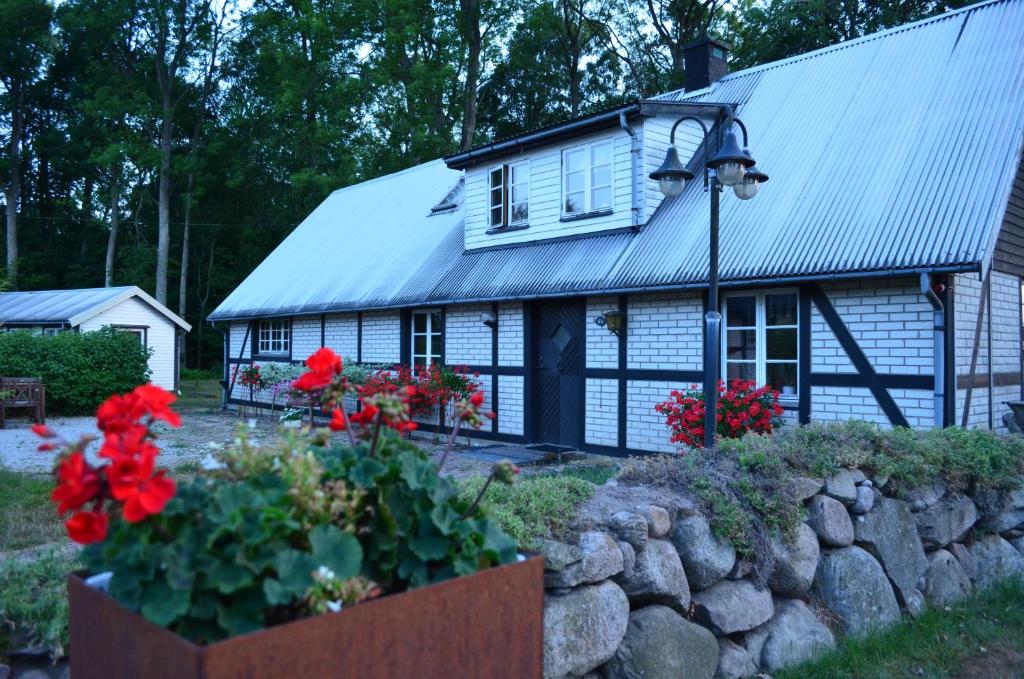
(489,624)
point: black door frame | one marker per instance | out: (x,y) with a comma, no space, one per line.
(531,315)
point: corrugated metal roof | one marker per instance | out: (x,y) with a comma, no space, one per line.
(71,307)
(895,151)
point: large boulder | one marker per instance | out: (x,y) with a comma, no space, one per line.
(890,534)
(795,562)
(946,582)
(658,577)
(601,559)
(865,500)
(829,519)
(658,520)
(794,635)
(558,555)
(1000,510)
(996,560)
(732,606)
(946,521)
(706,558)
(734,662)
(802,487)
(629,527)
(843,485)
(923,496)
(854,586)
(661,643)
(583,628)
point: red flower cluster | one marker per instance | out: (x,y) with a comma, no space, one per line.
(742,408)
(323,366)
(130,478)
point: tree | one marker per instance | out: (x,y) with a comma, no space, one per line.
(24,41)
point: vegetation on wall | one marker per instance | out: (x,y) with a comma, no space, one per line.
(79,369)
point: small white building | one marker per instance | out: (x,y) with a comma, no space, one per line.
(127,308)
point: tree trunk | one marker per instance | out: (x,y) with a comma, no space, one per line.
(163,244)
(471,23)
(12,192)
(183,280)
(115,223)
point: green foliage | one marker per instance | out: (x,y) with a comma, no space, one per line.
(199,375)
(262,541)
(981,637)
(33,602)
(79,369)
(534,507)
(27,518)
(357,373)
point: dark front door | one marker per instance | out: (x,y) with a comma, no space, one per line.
(558,355)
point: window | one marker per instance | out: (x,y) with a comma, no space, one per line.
(426,337)
(139,332)
(274,337)
(508,195)
(761,340)
(587,178)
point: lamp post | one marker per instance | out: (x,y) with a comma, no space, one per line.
(729,166)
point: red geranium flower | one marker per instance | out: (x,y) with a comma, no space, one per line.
(337,422)
(120,412)
(87,527)
(323,365)
(148,497)
(77,483)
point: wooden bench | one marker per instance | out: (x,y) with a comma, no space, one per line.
(22,392)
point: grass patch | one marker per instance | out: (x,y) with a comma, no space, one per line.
(982,637)
(534,507)
(597,474)
(27,517)
(34,603)
(205,393)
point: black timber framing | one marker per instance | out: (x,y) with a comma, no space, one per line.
(323,330)
(359,337)
(804,355)
(975,347)
(405,343)
(528,382)
(866,372)
(623,378)
(494,368)
(949,386)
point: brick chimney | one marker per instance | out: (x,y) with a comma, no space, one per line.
(705,61)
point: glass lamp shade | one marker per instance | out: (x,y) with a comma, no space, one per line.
(747,188)
(731,173)
(671,186)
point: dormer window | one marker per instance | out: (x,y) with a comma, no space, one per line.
(587,179)
(509,196)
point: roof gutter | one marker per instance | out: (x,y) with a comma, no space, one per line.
(696,285)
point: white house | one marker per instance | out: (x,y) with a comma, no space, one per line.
(877,275)
(127,308)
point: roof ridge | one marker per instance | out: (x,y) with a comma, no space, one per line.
(852,42)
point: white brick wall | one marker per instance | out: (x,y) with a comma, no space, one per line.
(1006,315)
(510,334)
(602,426)
(238,334)
(645,428)
(892,323)
(665,331)
(510,404)
(602,346)
(467,341)
(382,331)
(829,404)
(305,337)
(341,333)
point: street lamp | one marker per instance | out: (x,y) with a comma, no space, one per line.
(732,166)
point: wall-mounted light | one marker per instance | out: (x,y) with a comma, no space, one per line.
(490,319)
(614,321)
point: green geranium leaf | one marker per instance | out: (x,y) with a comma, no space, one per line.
(162,605)
(238,621)
(444,517)
(275,592)
(228,577)
(429,548)
(295,571)
(337,550)
(366,471)
(497,541)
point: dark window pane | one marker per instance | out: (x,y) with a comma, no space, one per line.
(741,344)
(495,216)
(780,309)
(419,344)
(782,378)
(496,196)
(520,212)
(742,311)
(435,345)
(435,321)
(740,371)
(496,178)
(419,360)
(419,322)
(781,344)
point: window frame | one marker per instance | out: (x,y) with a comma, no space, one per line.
(588,209)
(761,327)
(429,333)
(506,205)
(286,338)
(141,331)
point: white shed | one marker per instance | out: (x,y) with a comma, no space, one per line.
(126,308)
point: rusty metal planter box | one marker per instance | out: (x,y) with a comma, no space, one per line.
(489,624)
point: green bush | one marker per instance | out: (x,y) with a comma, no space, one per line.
(34,602)
(79,370)
(196,374)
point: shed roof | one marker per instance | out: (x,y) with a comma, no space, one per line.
(72,307)
(890,153)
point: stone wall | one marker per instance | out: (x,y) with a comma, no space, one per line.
(649,591)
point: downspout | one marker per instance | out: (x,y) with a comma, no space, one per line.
(939,351)
(988,346)
(635,161)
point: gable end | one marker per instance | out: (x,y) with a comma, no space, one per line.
(1009,253)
